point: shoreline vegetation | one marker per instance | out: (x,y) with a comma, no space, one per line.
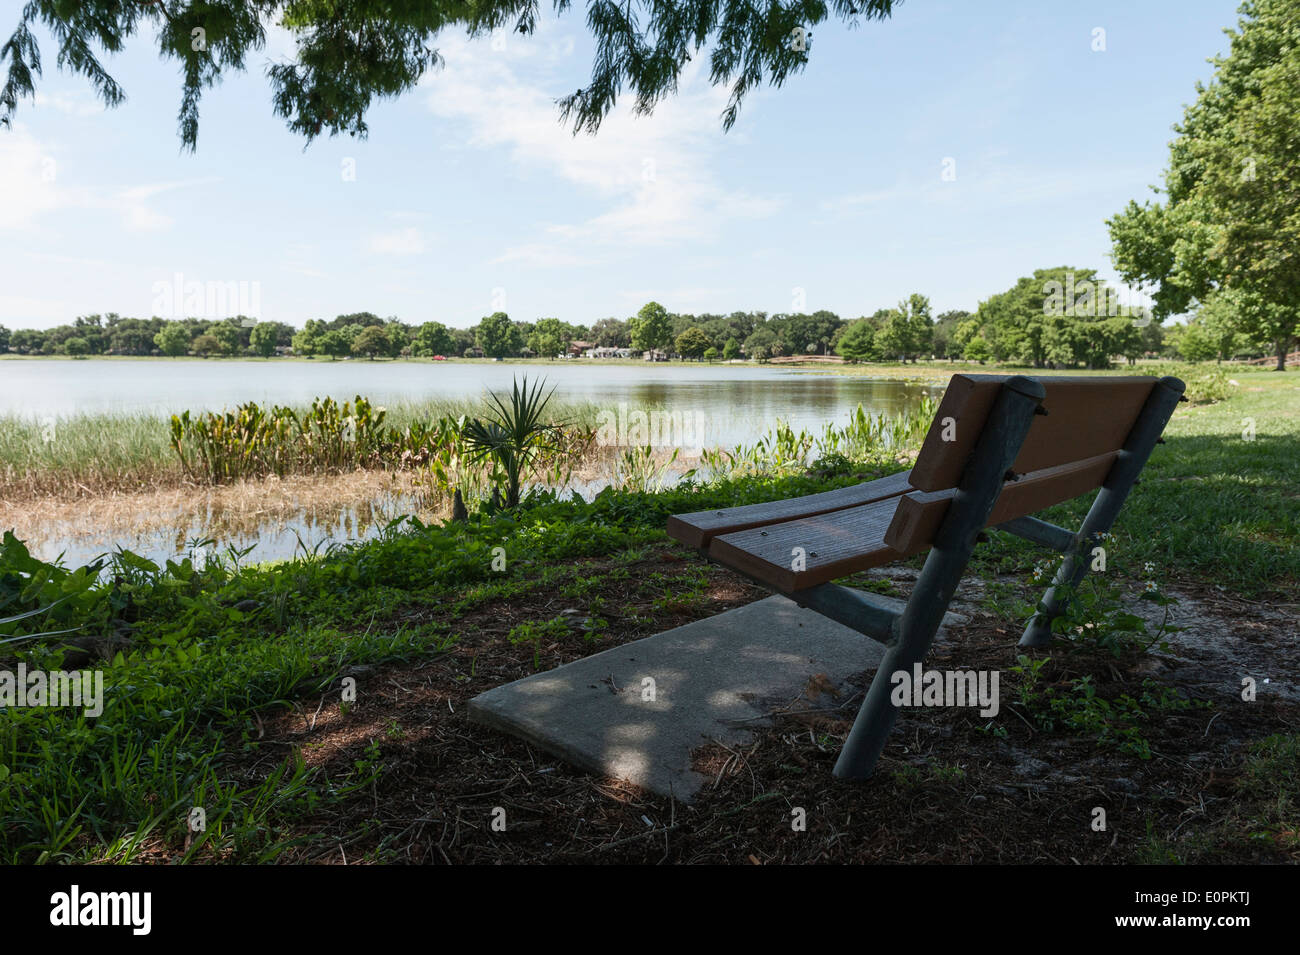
(219,654)
(100,454)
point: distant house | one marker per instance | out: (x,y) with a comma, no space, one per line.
(656,354)
(607,351)
(576,348)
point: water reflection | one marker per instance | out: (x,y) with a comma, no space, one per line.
(738,405)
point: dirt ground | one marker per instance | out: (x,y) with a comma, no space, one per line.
(949,788)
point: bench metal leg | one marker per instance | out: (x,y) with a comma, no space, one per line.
(1123,475)
(1003,433)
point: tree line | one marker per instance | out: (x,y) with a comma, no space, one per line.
(111,334)
(1055,318)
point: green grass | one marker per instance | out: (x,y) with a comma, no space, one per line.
(1212,504)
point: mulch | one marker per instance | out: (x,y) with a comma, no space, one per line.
(949,788)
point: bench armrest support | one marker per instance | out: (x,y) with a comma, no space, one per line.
(1041,532)
(853,608)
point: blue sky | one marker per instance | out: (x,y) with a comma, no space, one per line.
(470,196)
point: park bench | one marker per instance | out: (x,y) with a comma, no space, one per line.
(999,449)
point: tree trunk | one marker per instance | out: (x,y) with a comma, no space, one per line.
(1281,344)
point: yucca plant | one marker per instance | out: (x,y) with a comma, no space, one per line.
(515,437)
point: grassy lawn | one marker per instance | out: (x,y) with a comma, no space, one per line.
(223,686)
(1221,502)
(1214,501)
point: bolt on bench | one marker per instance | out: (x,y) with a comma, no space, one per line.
(999,449)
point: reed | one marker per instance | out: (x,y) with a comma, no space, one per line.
(84,455)
(864,439)
(71,457)
(99,455)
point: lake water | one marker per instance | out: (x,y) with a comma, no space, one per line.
(736,404)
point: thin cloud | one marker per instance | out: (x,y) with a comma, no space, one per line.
(657,174)
(81,104)
(409,241)
(35,187)
(546,255)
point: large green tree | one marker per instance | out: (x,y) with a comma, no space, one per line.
(652,327)
(496,336)
(336,343)
(371,341)
(398,336)
(693,343)
(352,52)
(173,339)
(762,344)
(1211,334)
(433,338)
(263,338)
(27,341)
(945,331)
(1231,216)
(549,337)
(128,336)
(227,333)
(308,341)
(858,343)
(207,345)
(908,330)
(1060,317)
(611,333)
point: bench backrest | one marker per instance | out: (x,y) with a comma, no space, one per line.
(1069,451)
(1085,417)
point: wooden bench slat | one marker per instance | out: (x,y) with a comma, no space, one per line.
(700,527)
(1085,417)
(919,515)
(843,542)
(835,544)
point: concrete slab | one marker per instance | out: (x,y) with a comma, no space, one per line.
(719,678)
